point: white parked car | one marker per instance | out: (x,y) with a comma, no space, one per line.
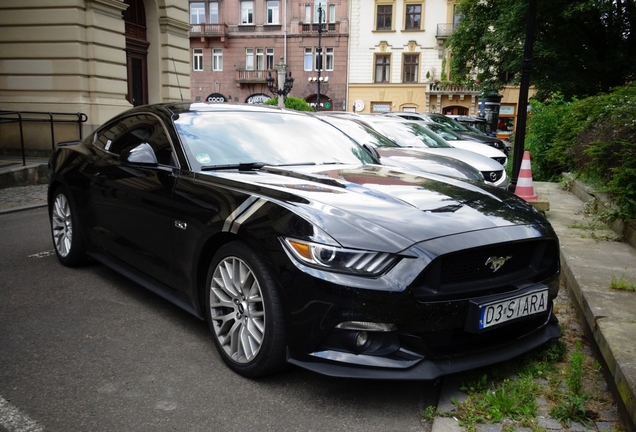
(413,134)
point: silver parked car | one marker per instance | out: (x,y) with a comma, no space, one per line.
(392,154)
(407,133)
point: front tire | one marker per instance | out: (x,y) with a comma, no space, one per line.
(65,230)
(244,312)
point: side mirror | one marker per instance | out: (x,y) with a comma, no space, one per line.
(140,155)
(372,151)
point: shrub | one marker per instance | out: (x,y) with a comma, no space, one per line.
(595,138)
(291,102)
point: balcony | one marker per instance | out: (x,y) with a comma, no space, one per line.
(453,89)
(210,31)
(444,31)
(313,28)
(244,76)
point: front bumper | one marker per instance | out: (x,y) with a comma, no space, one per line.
(411,366)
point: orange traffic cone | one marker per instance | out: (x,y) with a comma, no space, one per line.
(524,187)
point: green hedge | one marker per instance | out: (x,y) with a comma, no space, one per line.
(594,138)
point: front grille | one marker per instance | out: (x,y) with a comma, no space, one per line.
(492,176)
(474,272)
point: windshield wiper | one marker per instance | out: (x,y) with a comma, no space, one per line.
(245,166)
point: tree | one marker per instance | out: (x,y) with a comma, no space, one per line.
(581,47)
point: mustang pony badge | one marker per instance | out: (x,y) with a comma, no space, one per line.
(497,262)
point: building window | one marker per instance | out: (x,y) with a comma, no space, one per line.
(319,55)
(249,58)
(197,59)
(272,12)
(323,5)
(214,12)
(260,59)
(329,59)
(384,17)
(382,68)
(247,12)
(217,59)
(307,13)
(308,58)
(269,56)
(413,17)
(410,68)
(197,13)
(332,13)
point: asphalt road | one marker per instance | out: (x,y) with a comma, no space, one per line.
(87,350)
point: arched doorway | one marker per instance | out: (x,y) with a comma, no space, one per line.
(136,52)
(325,102)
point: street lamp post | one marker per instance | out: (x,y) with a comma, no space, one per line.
(319,52)
(284,84)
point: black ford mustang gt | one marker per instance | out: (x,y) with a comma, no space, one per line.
(297,247)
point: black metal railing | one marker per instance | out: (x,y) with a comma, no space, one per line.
(52,118)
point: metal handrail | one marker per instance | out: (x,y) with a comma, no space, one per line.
(20,118)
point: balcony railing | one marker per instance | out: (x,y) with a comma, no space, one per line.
(444,30)
(448,88)
(326,27)
(208,30)
(253,76)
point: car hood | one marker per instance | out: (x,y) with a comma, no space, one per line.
(428,162)
(380,208)
(477,147)
(476,160)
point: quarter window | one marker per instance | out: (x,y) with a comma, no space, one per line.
(413,17)
(410,68)
(197,59)
(217,59)
(247,12)
(382,68)
(272,12)
(384,17)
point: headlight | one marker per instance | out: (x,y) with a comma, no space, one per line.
(340,259)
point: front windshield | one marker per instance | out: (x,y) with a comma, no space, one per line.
(362,133)
(444,132)
(271,138)
(411,135)
(451,123)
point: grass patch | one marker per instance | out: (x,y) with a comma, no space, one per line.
(559,380)
(621,283)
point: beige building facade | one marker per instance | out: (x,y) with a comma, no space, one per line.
(397,58)
(96,57)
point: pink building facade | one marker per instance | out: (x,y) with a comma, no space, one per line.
(235,45)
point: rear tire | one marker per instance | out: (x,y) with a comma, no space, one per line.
(244,312)
(65,230)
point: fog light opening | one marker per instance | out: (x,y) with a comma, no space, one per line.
(361,339)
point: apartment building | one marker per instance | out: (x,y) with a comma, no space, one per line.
(397,59)
(236,45)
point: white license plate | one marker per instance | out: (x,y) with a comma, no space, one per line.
(511,309)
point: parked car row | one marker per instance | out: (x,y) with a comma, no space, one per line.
(344,246)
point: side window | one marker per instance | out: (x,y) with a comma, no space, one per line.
(134,130)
